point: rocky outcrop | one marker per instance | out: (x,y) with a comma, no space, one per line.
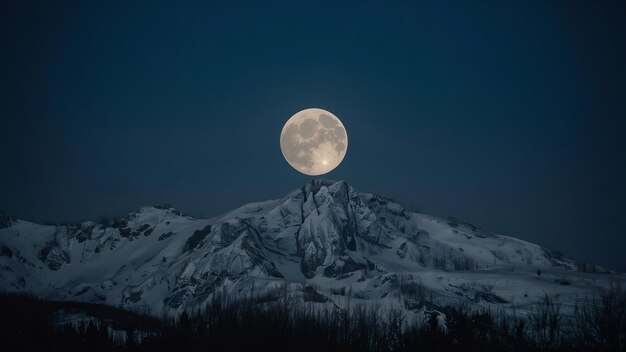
(5,221)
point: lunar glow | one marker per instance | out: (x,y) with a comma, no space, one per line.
(314,141)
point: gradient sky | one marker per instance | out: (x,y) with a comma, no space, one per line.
(508,115)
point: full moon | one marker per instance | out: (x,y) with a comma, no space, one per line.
(314,141)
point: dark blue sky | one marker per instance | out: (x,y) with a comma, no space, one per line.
(509,115)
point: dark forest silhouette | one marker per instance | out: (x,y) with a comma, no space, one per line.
(278,322)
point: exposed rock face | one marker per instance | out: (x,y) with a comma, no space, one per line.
(323,234)
(334,218)
(53,256)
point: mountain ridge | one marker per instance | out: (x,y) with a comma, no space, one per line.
(323,235)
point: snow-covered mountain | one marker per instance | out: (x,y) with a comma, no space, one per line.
(324,242)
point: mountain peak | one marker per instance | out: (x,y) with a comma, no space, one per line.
(317,183)
(154,210)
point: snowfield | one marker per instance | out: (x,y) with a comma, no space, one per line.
(325,242)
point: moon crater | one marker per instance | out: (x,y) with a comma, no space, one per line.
(314,141)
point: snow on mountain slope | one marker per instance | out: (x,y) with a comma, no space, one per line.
(323,238)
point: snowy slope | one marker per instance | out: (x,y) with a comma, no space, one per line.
(323,238)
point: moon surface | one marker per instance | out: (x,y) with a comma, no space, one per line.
(314,141)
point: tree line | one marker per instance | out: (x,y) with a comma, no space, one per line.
(279,321)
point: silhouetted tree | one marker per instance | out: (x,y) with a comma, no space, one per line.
(545,323)
(601,323)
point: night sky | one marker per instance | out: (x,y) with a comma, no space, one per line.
(508,115)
